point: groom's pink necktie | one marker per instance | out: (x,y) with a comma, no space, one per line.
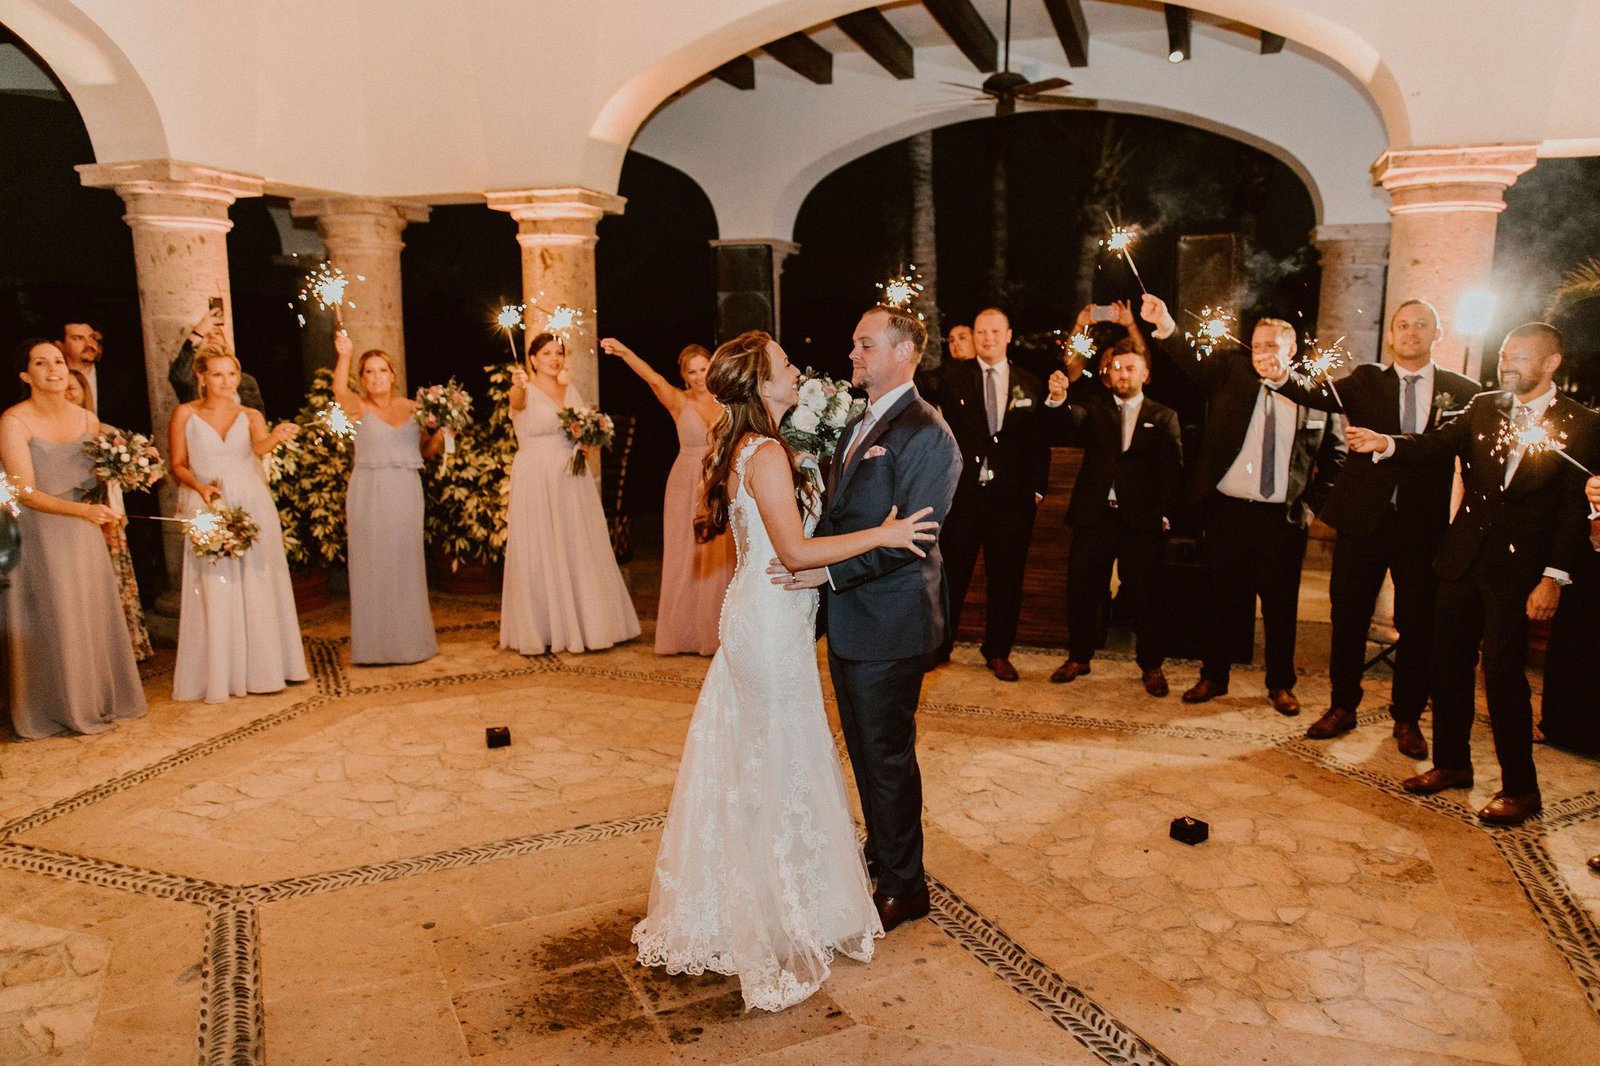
(861,436)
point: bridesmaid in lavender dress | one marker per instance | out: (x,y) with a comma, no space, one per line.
(694,576)
(389,617)
(72,666)
(563,591)
(237,627)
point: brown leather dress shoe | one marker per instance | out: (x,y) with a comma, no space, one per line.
(893,910)
(1437,780)
(1284,702)
(1002,669)
(1069,672)
(1155,682)
(1507,809)
(1203,690)
(1409,739)
(1337,720)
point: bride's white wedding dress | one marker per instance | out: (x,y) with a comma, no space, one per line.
(759,874)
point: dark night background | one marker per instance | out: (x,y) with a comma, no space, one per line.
(65,250)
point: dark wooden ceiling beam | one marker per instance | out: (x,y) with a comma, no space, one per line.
(804,56)
(1271,43)
(880,40)
(739,73)
(1072,28)
(962,23)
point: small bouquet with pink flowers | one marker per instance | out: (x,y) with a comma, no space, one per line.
(585,428)
(222,533)
(447,407)
(124,461)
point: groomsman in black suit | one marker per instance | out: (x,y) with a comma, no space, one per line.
(1266,466)
(1508,552)
(995,409)
(1390,518)
(1126,488)
(116,388)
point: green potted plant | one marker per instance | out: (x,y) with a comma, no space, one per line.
(309,477)
(466,495)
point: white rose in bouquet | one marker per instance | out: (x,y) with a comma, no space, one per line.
(812,394)
(804,419)
(839,410)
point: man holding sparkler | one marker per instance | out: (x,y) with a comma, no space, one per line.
(1266,466)
(1503,561)
(1390,519)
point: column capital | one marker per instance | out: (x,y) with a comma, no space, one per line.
(1452,178)
(171,194)
(555,205)
(781,249)
(402,212)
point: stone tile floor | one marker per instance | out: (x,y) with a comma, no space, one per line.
(343,873)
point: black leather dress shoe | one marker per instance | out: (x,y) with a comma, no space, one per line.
(892,910)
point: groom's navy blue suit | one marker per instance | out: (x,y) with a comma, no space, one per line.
(884,614)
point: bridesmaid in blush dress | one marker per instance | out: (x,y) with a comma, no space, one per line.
(694,576)
(72,666)
(563,591)
(389,617)
(237,627)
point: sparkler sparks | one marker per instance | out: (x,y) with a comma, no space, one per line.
(1320,363)
(335,421)
(1081,345)
(563,320)
(8,495)
(1120,242)
(510,320)
(902,290)
(325,286)
(1212,330)
(1533,436)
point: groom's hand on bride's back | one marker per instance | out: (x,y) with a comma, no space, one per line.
(805,579)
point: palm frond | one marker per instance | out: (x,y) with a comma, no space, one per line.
(1580,283)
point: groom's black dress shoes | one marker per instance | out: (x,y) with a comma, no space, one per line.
(892,910)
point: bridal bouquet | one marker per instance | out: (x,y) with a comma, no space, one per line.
(447,407)
(124,461)
(223,533)
(585,428)
(814,424)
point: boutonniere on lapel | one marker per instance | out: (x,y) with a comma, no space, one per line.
(1445,407)
(1019,398)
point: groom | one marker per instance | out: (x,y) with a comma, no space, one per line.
(885,610)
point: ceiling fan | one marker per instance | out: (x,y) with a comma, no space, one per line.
(1008,88)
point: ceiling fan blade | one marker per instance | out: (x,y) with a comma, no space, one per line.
(1081,102)
(1048,85)
(962,85)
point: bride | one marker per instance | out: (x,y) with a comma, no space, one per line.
(759,874)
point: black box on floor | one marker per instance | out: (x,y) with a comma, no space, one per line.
(1190,830)
(499,736)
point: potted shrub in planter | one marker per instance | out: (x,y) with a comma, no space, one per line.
(466,495)
(309,477)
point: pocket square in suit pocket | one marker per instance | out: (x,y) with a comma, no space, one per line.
(875,451)
(1022,403)
(1148,425)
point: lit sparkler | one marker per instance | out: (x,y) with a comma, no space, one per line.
(510,320)
(335,421)
(1212,330)
(902,290)
(325,286)
(1081,345)
(1534,436)
(1120,242)
(1322,361)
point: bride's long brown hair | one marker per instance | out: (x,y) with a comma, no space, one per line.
(735,376)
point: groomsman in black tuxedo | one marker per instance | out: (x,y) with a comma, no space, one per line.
(1390,518)
(1510,549)
(116,388)
(996,411)
(1265,468)
(1126,488)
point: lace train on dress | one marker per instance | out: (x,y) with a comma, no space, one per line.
(759,874)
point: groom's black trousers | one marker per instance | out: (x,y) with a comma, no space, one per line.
(878,711)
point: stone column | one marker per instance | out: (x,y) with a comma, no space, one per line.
(362,236)
(179,216)
(1354,258)
(749,285)
(556,228)
(1446,202)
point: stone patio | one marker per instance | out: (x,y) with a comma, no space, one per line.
(344,873)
